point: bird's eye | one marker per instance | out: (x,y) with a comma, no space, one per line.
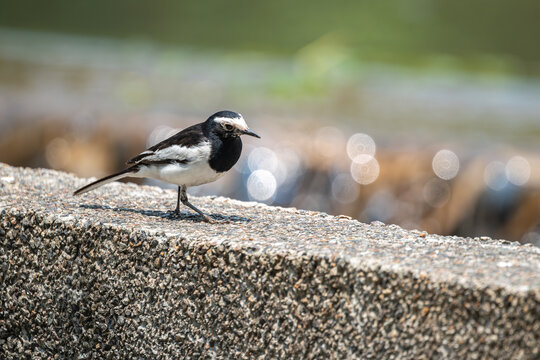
(228,127)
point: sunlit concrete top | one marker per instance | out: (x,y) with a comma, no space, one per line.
(258,275)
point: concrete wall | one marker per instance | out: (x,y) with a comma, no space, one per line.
(113,275)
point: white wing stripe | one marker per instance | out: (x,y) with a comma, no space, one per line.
(177,152)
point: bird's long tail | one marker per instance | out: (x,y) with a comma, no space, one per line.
(107,179)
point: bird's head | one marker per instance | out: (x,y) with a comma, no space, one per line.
(229,124)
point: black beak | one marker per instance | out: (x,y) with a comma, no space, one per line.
(250,133)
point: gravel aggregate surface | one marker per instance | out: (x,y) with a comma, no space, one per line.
(113,274)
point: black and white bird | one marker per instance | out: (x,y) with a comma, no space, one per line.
(197,155)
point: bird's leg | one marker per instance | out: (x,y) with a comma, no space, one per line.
(184,199)
(177,210)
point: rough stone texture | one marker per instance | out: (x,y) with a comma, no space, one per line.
(113,275)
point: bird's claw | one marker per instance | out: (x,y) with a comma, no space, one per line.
(208,219)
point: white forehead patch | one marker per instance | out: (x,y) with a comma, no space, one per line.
(238,122)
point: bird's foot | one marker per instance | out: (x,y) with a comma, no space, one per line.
(208,219)
(175,214)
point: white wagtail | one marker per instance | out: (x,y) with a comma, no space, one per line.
(197,155)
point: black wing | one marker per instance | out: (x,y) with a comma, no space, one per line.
(189,137)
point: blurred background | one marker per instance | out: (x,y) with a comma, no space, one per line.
(420,113)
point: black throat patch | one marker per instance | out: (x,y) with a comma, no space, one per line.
(225,153)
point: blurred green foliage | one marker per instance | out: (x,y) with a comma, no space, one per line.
(477,35)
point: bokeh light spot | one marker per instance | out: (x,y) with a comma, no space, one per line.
(518,170)
(365,169)
(360,144)
(344,189)
(436,192)
(288,165)
(262,158)
(445,164)
(261,185)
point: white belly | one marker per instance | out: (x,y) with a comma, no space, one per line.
(196,173)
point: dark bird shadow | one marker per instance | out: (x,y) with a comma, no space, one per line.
(170,215)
